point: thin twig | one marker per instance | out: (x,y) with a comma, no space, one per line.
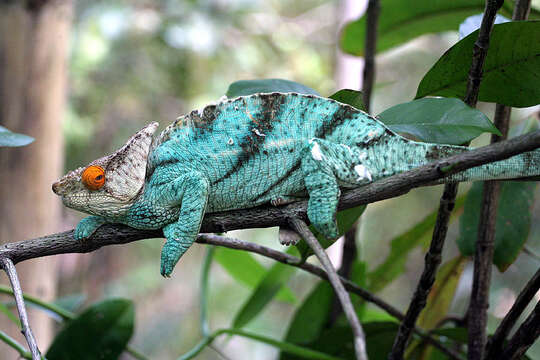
(372,17)
(496,342)
(348,256)
(359,337)
(480,49)
(524,337)
(11,272)
(432,261)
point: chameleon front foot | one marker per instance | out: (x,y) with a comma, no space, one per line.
(87,226)
(170,254)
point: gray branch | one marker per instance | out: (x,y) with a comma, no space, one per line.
(268,216)
(11,272)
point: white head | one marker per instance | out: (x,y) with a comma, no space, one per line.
(109,185)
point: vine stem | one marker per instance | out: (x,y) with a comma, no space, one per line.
(359,337)
(11,272)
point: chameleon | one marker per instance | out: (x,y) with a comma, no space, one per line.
(247,151)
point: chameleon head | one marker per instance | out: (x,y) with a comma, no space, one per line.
(109,185)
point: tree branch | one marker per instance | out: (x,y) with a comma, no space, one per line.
(268,216)
(11,272)
(496,342)
(524,337)
(359,337)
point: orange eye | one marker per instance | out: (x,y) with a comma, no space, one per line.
(93,177)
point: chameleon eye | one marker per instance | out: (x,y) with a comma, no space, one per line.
(93,177)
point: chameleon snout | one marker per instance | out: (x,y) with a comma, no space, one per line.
(56,187)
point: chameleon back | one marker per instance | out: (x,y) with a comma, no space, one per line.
(250,148)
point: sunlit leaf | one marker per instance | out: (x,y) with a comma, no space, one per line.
(350,97)
(100,332)
(401,21)
(438,120)
(248,87)
(11,139)
(510,75)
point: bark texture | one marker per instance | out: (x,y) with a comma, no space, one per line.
(33,50)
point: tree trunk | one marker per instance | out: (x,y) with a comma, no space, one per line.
(33,52)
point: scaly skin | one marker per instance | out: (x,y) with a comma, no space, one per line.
(249,151)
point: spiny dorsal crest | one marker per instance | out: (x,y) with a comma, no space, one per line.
(126,168)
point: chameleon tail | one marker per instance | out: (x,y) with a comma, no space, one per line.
(519,166)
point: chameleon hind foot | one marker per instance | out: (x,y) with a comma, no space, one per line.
(288,237)
(323,190)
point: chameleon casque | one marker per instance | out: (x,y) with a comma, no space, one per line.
(247,151)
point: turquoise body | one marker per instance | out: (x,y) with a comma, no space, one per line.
(275,148)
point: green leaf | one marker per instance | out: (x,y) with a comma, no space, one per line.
(438,120)
(401,21)
(248,87)
(338,341)
(244,268)
(310,317)
(350,97)
(442,293)
(266,290)
(401,246)
(511,231)
(510,75)
(11,139)
(345,220)
(100,332)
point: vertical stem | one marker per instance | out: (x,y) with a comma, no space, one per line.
(359,336)
(11,272)
(432,262)
(485,244)
(372,14)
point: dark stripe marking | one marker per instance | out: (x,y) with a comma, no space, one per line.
(250,144)
(279,181)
